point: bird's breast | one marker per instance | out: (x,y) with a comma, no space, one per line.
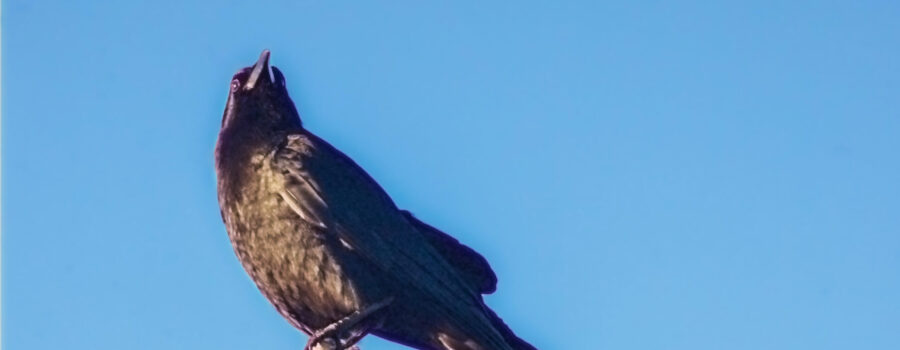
(299,267)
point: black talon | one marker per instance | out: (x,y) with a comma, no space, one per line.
(355,323)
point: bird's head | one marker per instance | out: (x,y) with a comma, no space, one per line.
(258,96)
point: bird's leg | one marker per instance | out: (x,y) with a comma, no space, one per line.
(330,337)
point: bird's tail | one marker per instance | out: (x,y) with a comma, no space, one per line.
(451,340)
(511,338)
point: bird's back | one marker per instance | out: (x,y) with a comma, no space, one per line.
(330,188)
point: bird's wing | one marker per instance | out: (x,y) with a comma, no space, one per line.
(328,189)
(473,267)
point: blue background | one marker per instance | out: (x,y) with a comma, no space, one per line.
(658,175)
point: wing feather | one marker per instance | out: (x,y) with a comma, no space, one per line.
(473,267)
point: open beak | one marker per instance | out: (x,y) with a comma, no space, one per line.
(261,67)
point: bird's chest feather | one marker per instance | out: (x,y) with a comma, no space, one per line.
(297,266)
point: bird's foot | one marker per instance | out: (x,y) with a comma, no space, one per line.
(318,343)
(343,334)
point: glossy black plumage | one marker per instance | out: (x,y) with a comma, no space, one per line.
(322,240)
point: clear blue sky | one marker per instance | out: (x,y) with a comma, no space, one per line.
(664,175)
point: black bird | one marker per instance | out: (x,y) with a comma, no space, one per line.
(328,247)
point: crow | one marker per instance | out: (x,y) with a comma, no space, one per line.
(328,247)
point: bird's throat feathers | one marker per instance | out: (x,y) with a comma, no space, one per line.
(246,134)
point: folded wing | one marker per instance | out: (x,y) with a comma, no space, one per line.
(329,190)
(473,267)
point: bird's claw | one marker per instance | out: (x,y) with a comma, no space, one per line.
(343,334)
(323,342)
(320,342)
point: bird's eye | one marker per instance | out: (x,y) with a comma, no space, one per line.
(235,84)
